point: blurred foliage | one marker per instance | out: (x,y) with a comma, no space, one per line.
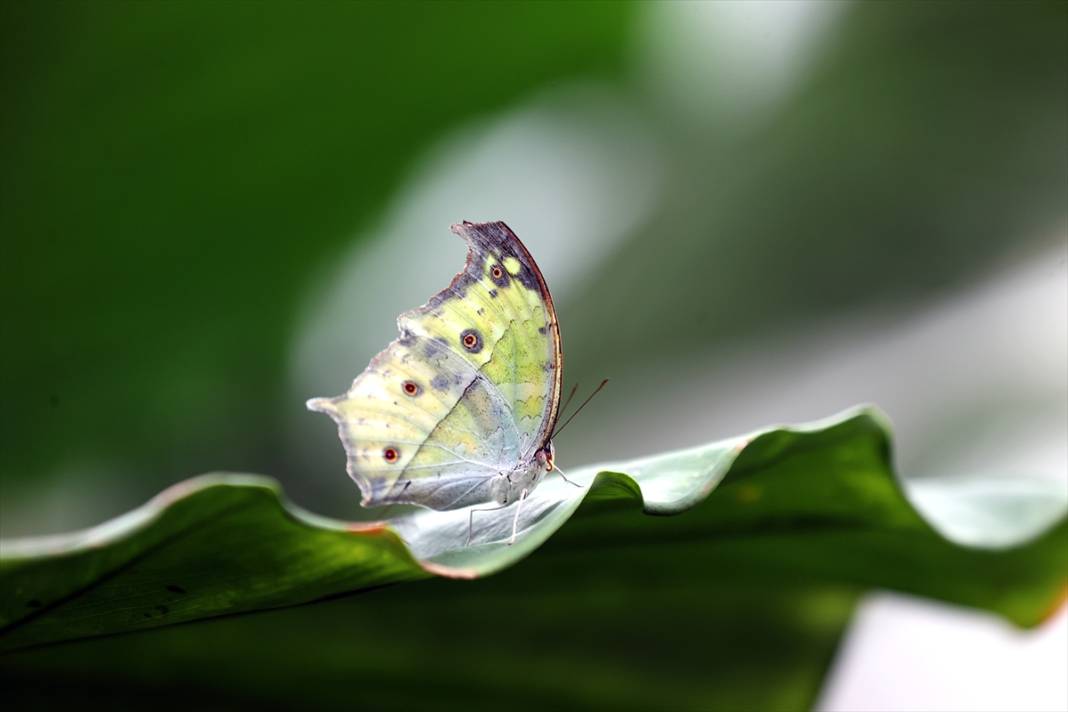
(174,174)
(927,142)
(771,560)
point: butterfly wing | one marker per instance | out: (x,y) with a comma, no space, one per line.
(501,300)
(469,390)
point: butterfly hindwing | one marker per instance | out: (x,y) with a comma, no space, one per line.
(417,420)
(469,390)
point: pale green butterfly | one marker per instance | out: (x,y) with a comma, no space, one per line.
(460,409)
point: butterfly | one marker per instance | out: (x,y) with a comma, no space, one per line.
(459,410)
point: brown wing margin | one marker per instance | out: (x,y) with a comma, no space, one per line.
(498,238)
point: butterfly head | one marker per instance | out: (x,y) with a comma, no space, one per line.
(546,456)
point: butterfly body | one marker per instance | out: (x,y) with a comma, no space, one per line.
(508,487)
(459,410)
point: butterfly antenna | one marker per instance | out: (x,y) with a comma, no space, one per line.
(579,409)
(567,401)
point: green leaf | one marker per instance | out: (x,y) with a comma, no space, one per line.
(524,639)
(816,503)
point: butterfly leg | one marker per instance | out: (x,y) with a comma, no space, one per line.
(471,520)
(515,519)
(565,476)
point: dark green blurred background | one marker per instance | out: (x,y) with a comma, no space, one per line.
(748,214)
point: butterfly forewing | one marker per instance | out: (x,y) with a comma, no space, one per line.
(500,304)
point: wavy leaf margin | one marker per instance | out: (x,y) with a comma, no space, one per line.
(223,544)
